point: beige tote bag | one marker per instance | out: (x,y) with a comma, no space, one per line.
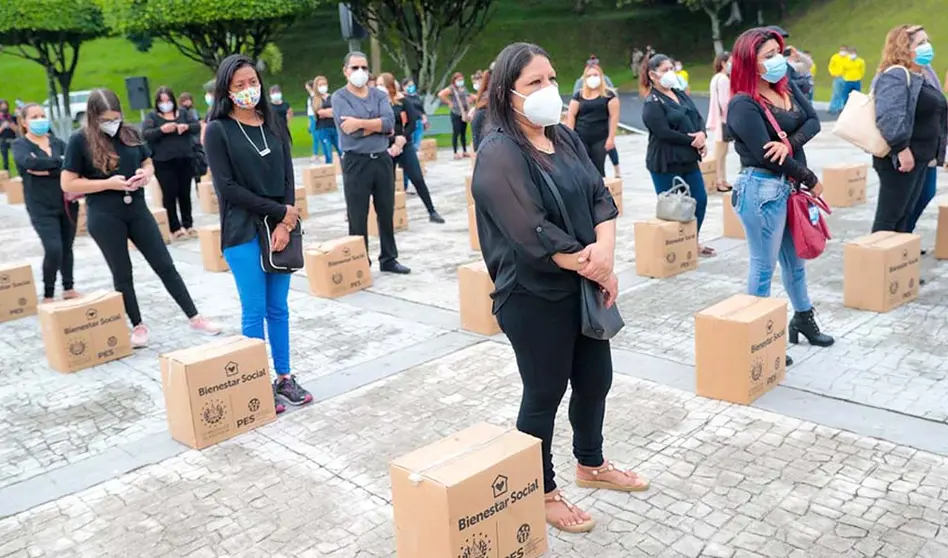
(857,123)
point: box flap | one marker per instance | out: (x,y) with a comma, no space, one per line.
(88,298)
(211,228)
(743,308)
(476,267)
(15,266)
(214,349)
(884,240)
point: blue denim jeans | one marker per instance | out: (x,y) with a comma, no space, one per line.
(663,182)
(929,190)
(262,298)
(325,139)
(837,101)
(760,201)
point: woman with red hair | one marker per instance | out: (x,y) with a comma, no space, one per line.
(771,120)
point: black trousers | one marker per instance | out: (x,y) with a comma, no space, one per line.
(365,176)
(112,224)
(551,353)
(408,160)
(898,194)
(458,132)
(175,178)
(596,148)
(5,144)
(57,231)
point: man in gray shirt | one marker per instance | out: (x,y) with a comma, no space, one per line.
(365,120)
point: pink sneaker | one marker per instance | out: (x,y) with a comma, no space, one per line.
(139,336)
(205,326)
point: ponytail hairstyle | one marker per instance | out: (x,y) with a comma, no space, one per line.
(649,65)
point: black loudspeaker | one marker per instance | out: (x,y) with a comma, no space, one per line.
(351,29)
(139,96)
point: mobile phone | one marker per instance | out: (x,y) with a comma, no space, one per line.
(786,51)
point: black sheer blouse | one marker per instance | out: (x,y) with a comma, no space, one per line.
(518,221)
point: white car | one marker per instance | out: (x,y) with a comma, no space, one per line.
(77,104)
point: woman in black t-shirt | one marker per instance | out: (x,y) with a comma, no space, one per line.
(536,267)
(324,132)
(39,158)
(7,132)
(282,110)
(108,162)
(594,114)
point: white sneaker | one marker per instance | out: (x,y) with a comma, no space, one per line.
(140,336)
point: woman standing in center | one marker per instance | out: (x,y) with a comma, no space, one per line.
(252,168)
(676,137)
(594,114)
(324,128)
(536,267)
(457,97)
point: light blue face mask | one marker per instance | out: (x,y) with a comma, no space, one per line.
(39,127)
(411,89)
(924,53)
(775,69)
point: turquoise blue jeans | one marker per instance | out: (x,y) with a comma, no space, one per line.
(760,201)
(263,297)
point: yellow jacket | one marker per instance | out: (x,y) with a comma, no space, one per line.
(854,70)
(836,65)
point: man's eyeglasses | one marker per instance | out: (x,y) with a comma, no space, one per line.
(354,68)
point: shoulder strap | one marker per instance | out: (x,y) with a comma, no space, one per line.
(559,199)
(773,122)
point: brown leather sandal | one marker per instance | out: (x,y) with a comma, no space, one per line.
(584,527)
(638,485)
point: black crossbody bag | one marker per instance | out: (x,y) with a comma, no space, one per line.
(598,322)
(288,260)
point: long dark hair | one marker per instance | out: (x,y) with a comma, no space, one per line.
(165,90)
(649,65)
(223,106)
(104,157)
(500,113)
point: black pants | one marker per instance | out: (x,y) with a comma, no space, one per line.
(551,353)
(408,160)
(898,194)
(365,176)
(458,132)
(56,231)
(112,224)
(596,148)
(5,144)
(175,178)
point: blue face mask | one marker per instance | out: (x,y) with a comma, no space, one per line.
(39,127)
(411,89)
(924,53)
(776,68)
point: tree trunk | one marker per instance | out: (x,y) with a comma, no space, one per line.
(715,30)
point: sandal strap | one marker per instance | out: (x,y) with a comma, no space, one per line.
(558,498)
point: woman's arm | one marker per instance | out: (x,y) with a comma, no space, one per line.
(657,124)
(150,130)
(810,127)
(75,184)
(891,99)
(194,125)
(445,95)
(747,122)
(25,158)
(571,112)
(613,119)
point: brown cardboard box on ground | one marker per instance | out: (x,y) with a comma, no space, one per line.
(338,267)
(81,227)
(881,271)
(740,348)
(473,160)
(399,179)
(207,198)
(709,172)
(155,196)
(4,176)
(216,391)
(665,248)
(212,256)
(467,189)
(614,185)
(320,179)
(84,332)
(475,288)
(14,190)
(474,240)
(301,202)
(733,227)
(400,218)
(844,185)
(17,291)
(429,150)
(941,233)
(161,217)
(476,494)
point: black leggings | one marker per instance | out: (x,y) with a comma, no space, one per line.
(56,231)
(175,178)
(5,144)
(458,132)
(597,153)
(112,224)
(408,160)
(898,194)
(551,353)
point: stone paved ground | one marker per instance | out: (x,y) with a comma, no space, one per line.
(87,469)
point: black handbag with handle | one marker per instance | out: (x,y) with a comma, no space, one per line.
(288,260)
(598,322)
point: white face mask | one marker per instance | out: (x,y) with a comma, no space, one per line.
(165,107)
(459,83)
(843,53)
(323,89)
(359,78)
(477,86)
(110,128)
(593,82)
(677,67)
(727,67)
(543,107)
(669,80)
(382,88)
(276,97)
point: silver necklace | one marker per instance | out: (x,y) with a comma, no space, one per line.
(266,147)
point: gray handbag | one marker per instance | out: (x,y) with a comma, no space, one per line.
(676,204)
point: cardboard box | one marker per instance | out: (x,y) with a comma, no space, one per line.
(473,160)
(155,196)
(467,189)
(844,185)
(17,291)
(216,391)
(618,202)
(881,271)
(614,185)
(665,248)
(429,150)
(399,219)
(84,332)
(941,233)
(476,304)
(161,218)
(740,348)
(301,202)
(399,179)
(338,267)
(207,198)
(81,227)
(211,254)
(733,227)
(4,176)
(709,172)
(476,494)
(14,190)
(473,239)
(320,179)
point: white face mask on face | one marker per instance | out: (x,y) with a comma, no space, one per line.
(669,80)
(459,83)
(359,78)
(543,107)
(323,89)
(110,128)
(165,107)
(593,82)
(477,86)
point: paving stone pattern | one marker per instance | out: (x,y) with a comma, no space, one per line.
(728,481)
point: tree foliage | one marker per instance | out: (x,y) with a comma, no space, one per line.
(711,7)
(207,31)
(426,38)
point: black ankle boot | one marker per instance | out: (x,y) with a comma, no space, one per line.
(805,323)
